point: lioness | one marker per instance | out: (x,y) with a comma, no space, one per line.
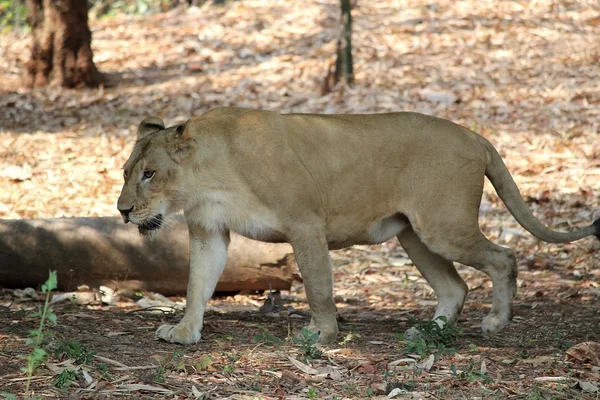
(324,182)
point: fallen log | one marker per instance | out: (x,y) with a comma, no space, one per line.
(104,251)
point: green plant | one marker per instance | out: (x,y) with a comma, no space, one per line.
(561,341)
(103,369)
(228,369)
(76,351)
(351,388)
(231,358)
(349,337)
(307,340)
(177,357)
(267,338)
(65,378)
(433,338)
(312,393)
(469,373)
(159,375)
(13,15)
(204,363)
(36,336)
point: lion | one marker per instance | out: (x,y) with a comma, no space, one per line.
(323,182)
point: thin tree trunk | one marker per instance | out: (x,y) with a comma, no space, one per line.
(344,65)
(61,53)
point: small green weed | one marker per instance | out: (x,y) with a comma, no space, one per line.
(171,362)
(312,393)
(267,338)
(349,337)
(177,357)
(65,378)
(433,338)
(36,336)
(469,373)
(205,363)
(228,369)
(231,358)
(307,340)
(159,375)
(103,369)
(561,341)
(352,389)
(76,351)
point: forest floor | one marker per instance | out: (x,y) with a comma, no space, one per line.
(525,74)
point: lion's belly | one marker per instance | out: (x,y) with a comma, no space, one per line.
(344,232)
(256,221)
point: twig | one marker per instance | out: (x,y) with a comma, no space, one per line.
(109,361)
(134,368)
(171,310)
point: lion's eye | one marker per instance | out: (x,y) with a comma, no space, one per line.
(149,174)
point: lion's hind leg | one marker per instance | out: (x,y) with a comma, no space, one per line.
(471,247)
(450,289)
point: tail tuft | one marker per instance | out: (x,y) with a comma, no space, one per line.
(596,225)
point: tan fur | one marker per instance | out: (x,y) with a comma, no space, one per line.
(323,182)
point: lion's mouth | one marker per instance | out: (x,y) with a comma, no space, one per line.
(150,225)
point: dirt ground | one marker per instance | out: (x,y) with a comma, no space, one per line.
(524,74)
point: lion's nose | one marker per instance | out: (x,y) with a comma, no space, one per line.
(125,214)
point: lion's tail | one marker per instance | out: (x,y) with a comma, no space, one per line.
(508,191)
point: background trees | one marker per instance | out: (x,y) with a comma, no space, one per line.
(61,52)
(344,66)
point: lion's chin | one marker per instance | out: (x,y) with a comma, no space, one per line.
(150,226)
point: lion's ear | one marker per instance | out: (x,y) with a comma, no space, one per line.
(150,125)
(181,142)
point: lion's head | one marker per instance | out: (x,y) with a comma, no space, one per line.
(153,173)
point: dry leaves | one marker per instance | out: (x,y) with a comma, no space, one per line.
(524,74)
(585,352)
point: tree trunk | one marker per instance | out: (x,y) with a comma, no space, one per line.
(344,67)
(104,251)
(61,53)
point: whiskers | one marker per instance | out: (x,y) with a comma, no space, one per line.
(156,224)
(168,221)
(155,221)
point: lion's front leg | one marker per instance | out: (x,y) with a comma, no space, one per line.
(208,256)
(312,257)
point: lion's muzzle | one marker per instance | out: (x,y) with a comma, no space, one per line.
(151,224)
(125,214)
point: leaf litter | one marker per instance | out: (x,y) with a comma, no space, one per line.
(524,74)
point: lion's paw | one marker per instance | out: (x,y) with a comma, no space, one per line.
(177,334)
(494,323)
(327,333)
(328,337)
